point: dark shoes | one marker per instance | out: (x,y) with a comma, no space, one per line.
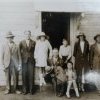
(60,94)
(24,93)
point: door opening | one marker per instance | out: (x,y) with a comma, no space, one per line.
(56,26)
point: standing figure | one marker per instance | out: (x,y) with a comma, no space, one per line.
(65,52)
(27,47)
(11,61)
(81,54)
(95,60)
(43,49)
(71,77)
(58,74)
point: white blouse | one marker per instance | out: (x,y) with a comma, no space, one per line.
(65,51)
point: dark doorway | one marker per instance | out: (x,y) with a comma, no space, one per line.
(56,26)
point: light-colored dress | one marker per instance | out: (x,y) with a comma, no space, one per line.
(41,53)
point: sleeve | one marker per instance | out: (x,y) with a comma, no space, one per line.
(60,53)
(74,75)
(66,75)
(91,54)
(88,50)
(70,53)
(19,56)
(36,50)
(50,49)
(75,50)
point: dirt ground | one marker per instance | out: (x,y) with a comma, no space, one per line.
(47,93)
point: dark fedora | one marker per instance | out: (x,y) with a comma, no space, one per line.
(81,34)
(95,37)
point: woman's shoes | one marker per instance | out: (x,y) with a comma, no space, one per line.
(60,95)
(68,95)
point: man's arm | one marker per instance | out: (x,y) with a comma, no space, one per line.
(91,54)
(50,49)
(19,57)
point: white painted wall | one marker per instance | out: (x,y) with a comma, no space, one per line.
(68,5)
(17,16)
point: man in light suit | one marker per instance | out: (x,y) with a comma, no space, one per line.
(11,62)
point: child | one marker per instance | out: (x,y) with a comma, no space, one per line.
(65,52)
(59,76)
(71,76)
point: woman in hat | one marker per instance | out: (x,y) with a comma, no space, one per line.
(95,59)
(81,54)
(42,50)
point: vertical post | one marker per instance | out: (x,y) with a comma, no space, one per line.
(38,22)
(72,31)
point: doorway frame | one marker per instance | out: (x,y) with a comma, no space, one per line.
(72,32)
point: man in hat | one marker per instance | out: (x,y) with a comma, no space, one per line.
(11,61)
(27,47)
(95,59)
(58,74)
(81,53)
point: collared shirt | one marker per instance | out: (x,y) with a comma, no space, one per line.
(10,46)
(82,46)
(27,42)
(65,51)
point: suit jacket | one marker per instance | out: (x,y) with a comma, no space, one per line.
(81,59)
(27,52)
(94,57)
(6,55)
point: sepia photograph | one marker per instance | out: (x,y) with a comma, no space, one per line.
(49,50)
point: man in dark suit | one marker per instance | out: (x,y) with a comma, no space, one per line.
(27,53)
(95,60)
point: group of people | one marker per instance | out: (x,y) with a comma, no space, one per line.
(55,65)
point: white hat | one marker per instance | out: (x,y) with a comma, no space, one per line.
(9,35)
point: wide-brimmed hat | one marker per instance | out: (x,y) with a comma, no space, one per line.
(96,36)
(81,34)
(42,34)
(9,35)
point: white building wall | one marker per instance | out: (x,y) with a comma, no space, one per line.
(17,16)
